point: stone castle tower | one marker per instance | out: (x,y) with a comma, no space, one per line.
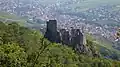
(51,32)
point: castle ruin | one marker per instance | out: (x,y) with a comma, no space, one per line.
(73,38)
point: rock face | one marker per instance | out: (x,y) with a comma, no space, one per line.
(73,38)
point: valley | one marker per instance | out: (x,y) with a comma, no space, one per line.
(99,18)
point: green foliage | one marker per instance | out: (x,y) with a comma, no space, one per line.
(22,47)
(11,55)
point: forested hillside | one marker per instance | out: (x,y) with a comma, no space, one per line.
(22,47)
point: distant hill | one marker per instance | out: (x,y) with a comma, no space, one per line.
(8,17)
(81,5)
(87,4)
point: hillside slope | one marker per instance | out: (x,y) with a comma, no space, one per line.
(104,46)
(20,46)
